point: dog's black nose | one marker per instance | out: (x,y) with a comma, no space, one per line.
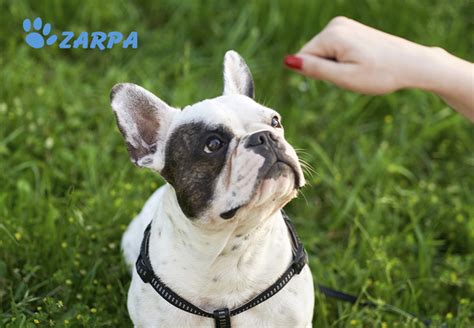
(261,138)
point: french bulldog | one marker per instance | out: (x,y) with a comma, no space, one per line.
(217,235)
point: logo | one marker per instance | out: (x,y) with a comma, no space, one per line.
(38,36)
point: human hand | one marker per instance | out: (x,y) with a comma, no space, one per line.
(357,57)
(362,59)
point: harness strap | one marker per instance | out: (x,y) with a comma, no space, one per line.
(221,316)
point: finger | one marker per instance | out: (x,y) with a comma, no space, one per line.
(319,46)
(325,69)
(311,44)
(315,47)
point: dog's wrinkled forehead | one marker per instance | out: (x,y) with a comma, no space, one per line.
(238,113)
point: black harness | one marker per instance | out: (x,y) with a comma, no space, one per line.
(221,316)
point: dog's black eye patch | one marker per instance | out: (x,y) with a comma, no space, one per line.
(191,171)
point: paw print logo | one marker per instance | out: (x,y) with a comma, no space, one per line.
(38,38)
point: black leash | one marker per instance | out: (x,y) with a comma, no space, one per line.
(329,292)
(221,316)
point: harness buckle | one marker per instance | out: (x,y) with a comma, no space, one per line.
(222,318)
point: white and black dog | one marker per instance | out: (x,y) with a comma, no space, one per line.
(218,237)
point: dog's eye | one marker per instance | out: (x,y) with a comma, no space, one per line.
(276,122)
(213,144)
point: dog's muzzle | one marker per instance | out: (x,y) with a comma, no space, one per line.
(268,145)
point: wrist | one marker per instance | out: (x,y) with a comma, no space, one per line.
(435,70)
(423,68)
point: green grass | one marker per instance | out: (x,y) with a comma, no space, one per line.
(389,214)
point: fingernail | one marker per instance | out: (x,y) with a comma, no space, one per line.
(294,62)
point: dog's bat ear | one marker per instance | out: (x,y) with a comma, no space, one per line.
(237,76)
(143,119)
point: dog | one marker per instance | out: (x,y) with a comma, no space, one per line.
(217,237)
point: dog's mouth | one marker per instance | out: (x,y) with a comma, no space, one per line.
(272,170)
(293,168)
(231,213)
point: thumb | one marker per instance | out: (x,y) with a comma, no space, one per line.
(319,67)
